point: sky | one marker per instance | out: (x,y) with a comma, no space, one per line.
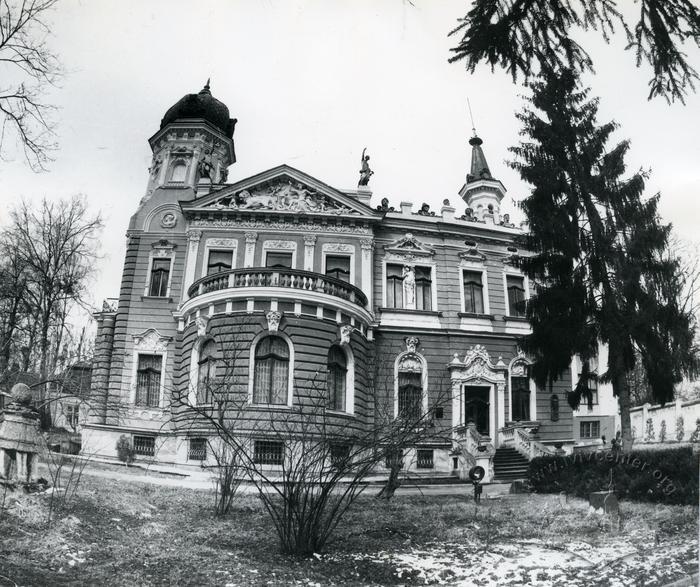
(312,83)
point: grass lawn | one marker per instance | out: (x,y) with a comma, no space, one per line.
(130,533)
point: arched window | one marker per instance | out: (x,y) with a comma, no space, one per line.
(271,374)
(178,171)
(410,388)
(336,378)
(554,408)
(206,372)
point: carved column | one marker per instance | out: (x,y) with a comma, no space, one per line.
(250,240)
(309,245)
(367,248)
(193,238)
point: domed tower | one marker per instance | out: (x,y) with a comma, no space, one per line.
(482,192)
(194,145)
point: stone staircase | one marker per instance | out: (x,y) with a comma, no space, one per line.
(509,465)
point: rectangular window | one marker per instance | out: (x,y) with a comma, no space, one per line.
(338,266)
(268,452)
(394,286)
(438,412)
(160,273)
(219,261)
(516,295)
(424,458)
(145,445)
(279,260)
(197,450)
(473,292)
(340,455)
(590,429)
(424,292)
(148,375)
(520,394)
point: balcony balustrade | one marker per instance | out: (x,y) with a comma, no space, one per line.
(273,277)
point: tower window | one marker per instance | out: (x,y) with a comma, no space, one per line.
(206,372)
(178,172)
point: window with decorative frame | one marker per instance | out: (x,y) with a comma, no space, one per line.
(338,267)
(520,396)
(515,286)
(279,259)
(271,371)
(219,260)
(160,276)
(409,287)
(148,380)
(424,288)
(178,171)
(473,291)
(206,372)
(336,378)
(410,388)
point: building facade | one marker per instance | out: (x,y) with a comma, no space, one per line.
(298,297)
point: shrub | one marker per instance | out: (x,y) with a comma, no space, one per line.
(125,451)
(660,476)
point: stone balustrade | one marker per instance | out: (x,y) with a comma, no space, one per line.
(273,277)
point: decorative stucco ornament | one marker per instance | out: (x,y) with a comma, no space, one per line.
(412,343)
(169,220)
(201,323)
(345,333)
(283,196)
(273,320)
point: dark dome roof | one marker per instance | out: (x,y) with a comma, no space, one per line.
(202,105)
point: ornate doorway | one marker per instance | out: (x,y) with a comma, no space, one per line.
(477,407)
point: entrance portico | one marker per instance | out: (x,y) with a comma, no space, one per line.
(478,395)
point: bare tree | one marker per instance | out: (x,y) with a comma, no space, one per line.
(29,67)
(307,466)
(55,246)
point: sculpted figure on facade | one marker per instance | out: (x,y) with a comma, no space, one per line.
(409,286)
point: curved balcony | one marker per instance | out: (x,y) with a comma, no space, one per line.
(275,277)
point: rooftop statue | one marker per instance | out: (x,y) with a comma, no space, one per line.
(365,171)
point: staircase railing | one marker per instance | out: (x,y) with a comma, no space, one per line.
(521,438)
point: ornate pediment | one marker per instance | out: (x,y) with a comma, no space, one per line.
(409,248)
(282,196)
(477,366)
(282,189)
(151,340)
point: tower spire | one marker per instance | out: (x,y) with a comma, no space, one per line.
(479,168)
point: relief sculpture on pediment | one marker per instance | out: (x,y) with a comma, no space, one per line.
(282,196)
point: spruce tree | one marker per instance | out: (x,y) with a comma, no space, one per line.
(600,260)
